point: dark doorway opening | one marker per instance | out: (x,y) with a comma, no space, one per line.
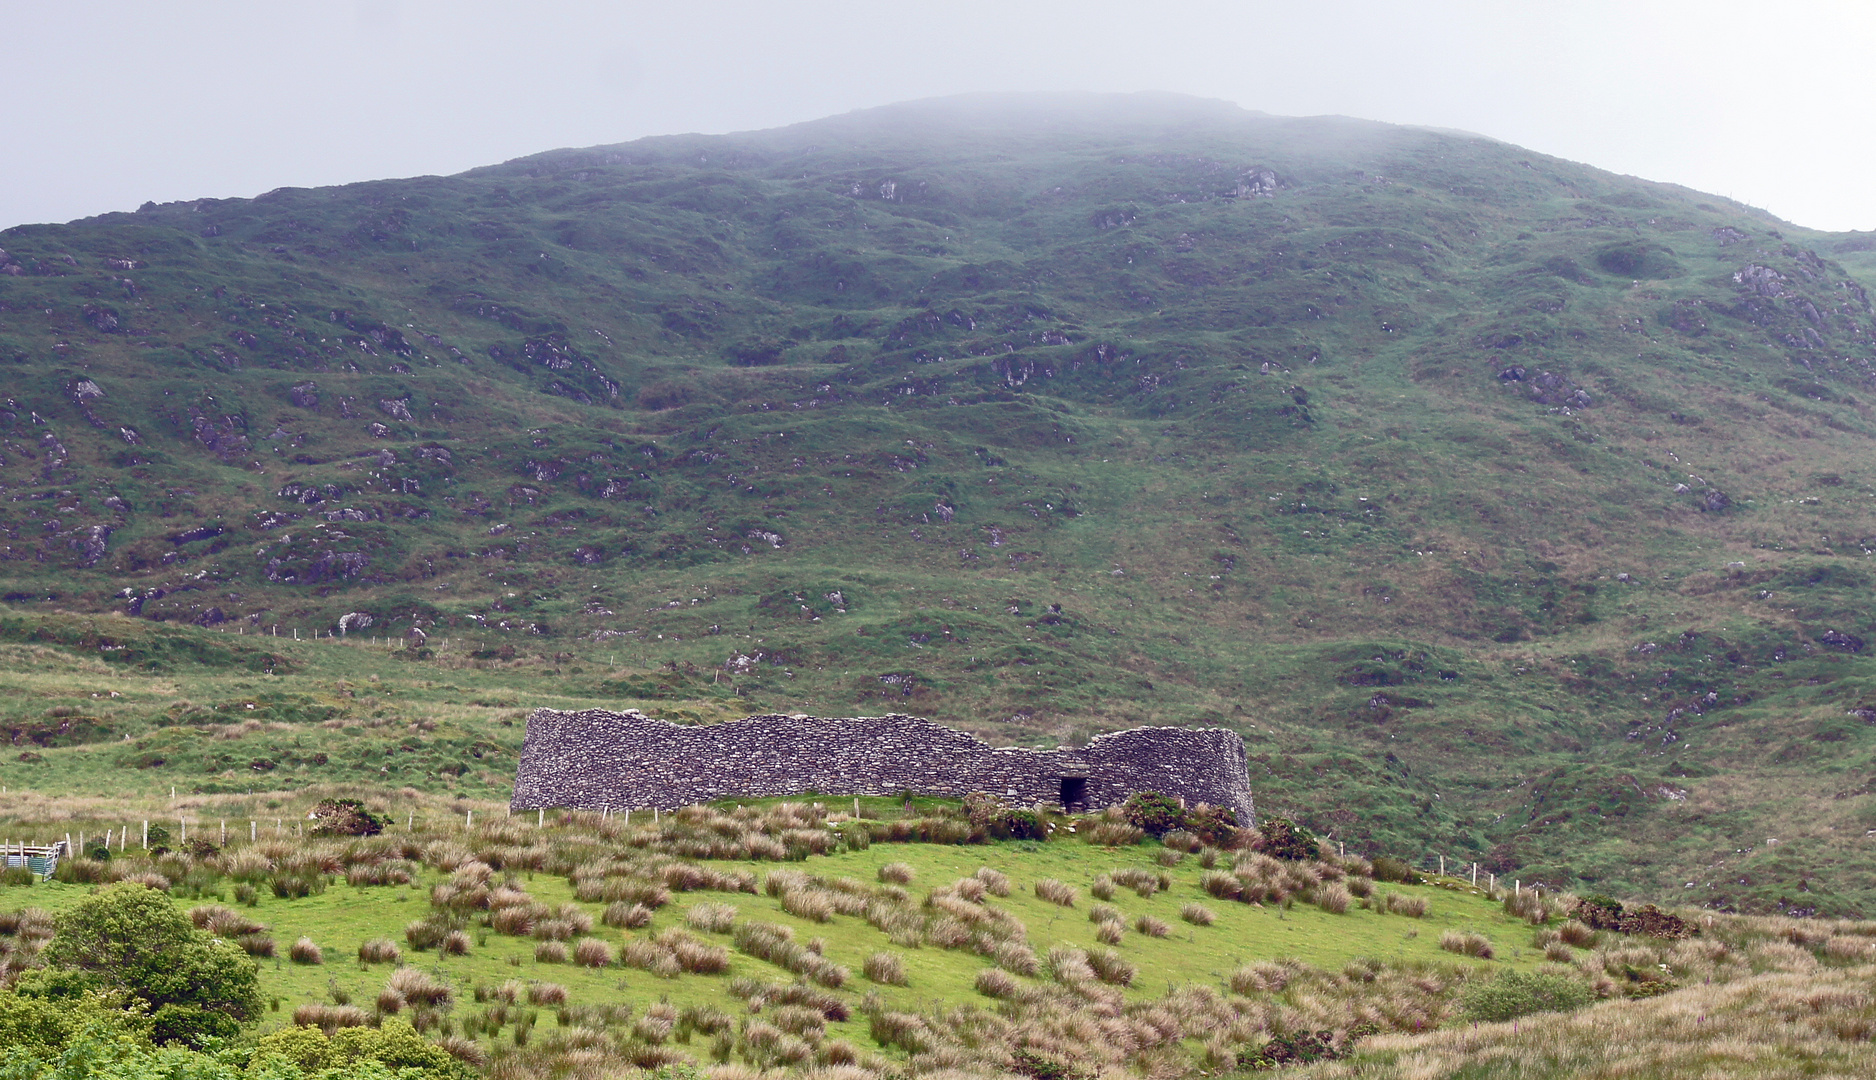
(1074,793)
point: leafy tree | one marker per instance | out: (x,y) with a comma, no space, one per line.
(129,940)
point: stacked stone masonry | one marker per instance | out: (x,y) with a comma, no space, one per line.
(596,759)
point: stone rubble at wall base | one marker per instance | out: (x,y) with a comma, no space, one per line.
(596,759)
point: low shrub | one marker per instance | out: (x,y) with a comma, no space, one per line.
(1333,898)
(1296,1048)
(1197,914)
(1151,927)
(996,882)
(1511,994)
(896,873)
(1214,825)
(1285,839)
(1153,813)
(1390,869)
(1413,907)
(455,943)
(379,951)
(550,952)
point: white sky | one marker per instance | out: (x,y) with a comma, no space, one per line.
(107,103)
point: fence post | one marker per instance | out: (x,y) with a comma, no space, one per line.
(540,817)
(224,832)
(184,822)
(469,819)
(1475,875)
(253,830)
(1442,866)
(146,834)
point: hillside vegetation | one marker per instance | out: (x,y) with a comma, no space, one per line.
(1513,510)
(886,938)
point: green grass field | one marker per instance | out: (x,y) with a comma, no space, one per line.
(342,917)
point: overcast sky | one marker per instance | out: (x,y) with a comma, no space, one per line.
(107,104)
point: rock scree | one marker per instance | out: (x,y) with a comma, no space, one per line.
(596,759)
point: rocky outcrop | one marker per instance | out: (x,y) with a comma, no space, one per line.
(596,759)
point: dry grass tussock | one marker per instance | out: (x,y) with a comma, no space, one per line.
(1770,1026)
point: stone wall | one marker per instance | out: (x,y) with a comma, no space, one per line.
(596,759)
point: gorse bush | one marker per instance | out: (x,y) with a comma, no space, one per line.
(1285,839)
(1153,813)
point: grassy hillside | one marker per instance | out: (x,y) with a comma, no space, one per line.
(1511,509)
(620,937)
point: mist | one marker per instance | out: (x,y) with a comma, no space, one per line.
(112,105)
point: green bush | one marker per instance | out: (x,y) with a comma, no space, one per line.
(129,939)
(1153,813)
(1388,868)
(346,817)
(1512,994)
(1216,825)
(1285,839)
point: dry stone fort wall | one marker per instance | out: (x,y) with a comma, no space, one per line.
(597,759)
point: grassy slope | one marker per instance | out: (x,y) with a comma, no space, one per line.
(343,917)
(1258,450)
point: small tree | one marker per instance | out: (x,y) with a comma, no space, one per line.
(128,939)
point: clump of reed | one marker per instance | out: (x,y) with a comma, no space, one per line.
(774,943)
(1055,892)
(1466,944)
(885,968)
